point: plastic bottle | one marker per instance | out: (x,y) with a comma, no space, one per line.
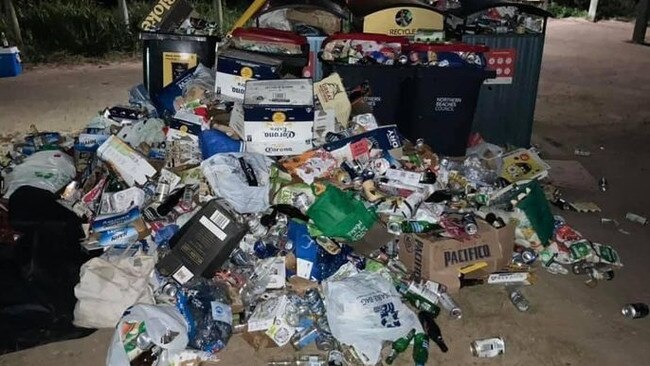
(3,39)
(400,345)
(420,349)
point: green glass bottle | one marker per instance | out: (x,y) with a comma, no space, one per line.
(420,349)
(408,227)
(400,345)
(412,293)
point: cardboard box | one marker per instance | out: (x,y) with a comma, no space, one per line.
(439,260)
(203,244)
(235,67)
(277,116)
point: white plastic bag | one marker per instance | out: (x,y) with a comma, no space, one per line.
(50,170)
(364,310)
(226,176)
(106,288)
(159,320)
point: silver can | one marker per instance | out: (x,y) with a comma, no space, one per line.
(635,311)
(489,347)
(315,302)
(518,300)
(325,342)
(630,216)
(162,191)
(447,303)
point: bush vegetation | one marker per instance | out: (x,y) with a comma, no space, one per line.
(55,30)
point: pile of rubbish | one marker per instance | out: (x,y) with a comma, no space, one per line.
(361,239)
(272,207)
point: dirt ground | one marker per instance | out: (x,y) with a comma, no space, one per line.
(593,94)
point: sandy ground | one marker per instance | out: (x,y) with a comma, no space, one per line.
(593,93)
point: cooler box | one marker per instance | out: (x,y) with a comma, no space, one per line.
(10,64)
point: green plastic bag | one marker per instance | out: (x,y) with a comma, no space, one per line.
(337,214)
(538,211)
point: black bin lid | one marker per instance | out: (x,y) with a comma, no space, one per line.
(336,7)
(361,8)
(469,7)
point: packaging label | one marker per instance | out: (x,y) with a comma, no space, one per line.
(175,64)
(221,312)
(220,219)
(214,229)
(182,275)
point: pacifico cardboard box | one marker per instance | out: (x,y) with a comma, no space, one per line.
(440,260)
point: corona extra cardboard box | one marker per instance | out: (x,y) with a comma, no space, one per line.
(235,67)
(441,260)
(277,116)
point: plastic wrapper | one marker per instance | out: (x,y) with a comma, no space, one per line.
(202,79)
(50,170)
(206,308)
(241,178)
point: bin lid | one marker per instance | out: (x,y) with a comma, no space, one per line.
(336,7)
(361,8)
(156,36)
(270,35)
(469,7)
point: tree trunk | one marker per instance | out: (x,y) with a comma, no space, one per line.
(124,11)
(13,19)
(593,7)
(218,6)
(641,25)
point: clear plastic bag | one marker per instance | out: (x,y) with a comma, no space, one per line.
(50,170)
(161,322)
(364,310)
(242,179)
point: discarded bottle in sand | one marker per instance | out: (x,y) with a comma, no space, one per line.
(635,310)
(400,345)
(603,184)
(420,349)
(432,329)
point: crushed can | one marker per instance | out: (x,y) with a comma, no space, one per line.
(489,347)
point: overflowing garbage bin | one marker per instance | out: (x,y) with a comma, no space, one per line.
(515,34)
(314,19)
(428,90)
(439,105)
(165,57)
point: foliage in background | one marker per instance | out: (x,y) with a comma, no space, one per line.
(54,30)
(606,8)
(561,11)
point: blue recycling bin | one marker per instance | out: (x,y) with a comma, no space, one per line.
(10,64)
